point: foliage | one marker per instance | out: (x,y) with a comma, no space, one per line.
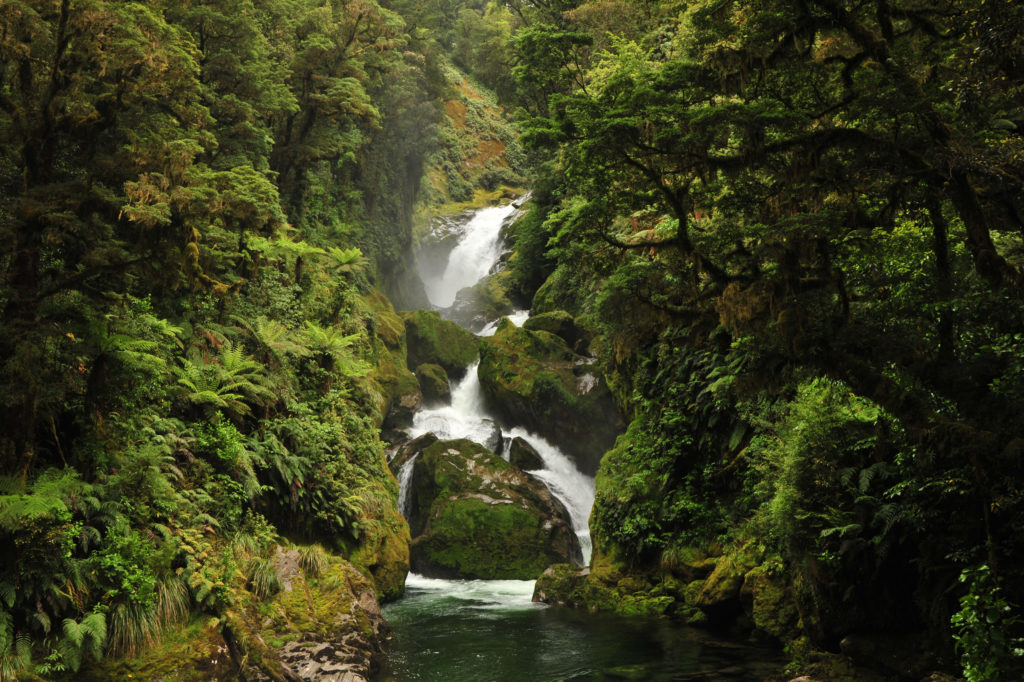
(987,630)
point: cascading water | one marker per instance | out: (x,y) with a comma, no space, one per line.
(404,480)
(461,630)
(474,257)
(478,250)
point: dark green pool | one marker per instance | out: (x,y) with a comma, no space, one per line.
(489,631)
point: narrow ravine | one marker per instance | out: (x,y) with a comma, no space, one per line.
(468,630)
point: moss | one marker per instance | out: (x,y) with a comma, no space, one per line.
(433,382)
(533,378)
(477,516)
(770,602)
(561,324)
(195,652)
(432,340)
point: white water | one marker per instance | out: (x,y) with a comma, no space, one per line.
(477,252)
(484,594)
(516,317)
(404,479)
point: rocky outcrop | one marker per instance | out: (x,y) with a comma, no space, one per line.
(432,340)
(434,383)
(533,378)
(561,324)
(474,515)
(485,301)
(324,624)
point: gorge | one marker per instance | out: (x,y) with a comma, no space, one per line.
(334,333)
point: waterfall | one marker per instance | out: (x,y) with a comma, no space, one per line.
(404,483)
(476,254)
(477,251)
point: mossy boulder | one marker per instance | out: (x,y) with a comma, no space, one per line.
(434,383)
(719,596)
(484,302)
(567,585)
(563,325)
(477,516)
(432,340)
(769,600)
(533,378)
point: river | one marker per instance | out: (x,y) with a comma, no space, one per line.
(490,630)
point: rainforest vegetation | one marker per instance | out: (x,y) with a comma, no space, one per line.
(792,232)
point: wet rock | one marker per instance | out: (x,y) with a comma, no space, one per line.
(483,518)
(484,302)
(533,378)
(719,596)
(432,340)
(769,600)
(492,441)
(434,383)
(561,324)
(402,409)
(523,455)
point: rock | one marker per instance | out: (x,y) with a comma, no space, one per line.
(719,596)
(408,449)
(432,340)
(533,378)
(561,324)
(482,518)
(771,604)
(332,625)
(402,408)
(560,584)
(484,302)
(326,627)
(388,352)
(492,441)
(434,383)
(523,455)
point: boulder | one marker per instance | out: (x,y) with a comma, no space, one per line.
(477,516)
(493,440)
(534,379)
(523,456)
(403,406)
(719,596)
(434,383)
(769,600)
(432,340)
(562,325)
(484,302)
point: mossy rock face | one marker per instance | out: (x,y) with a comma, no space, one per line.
(399,389)
(320,626)
(477,516)
(432,340)
(533,378)
(562,325)
(768,599)
(484,302)
(567,585)
(434,383)
(324,624)
(719,597)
